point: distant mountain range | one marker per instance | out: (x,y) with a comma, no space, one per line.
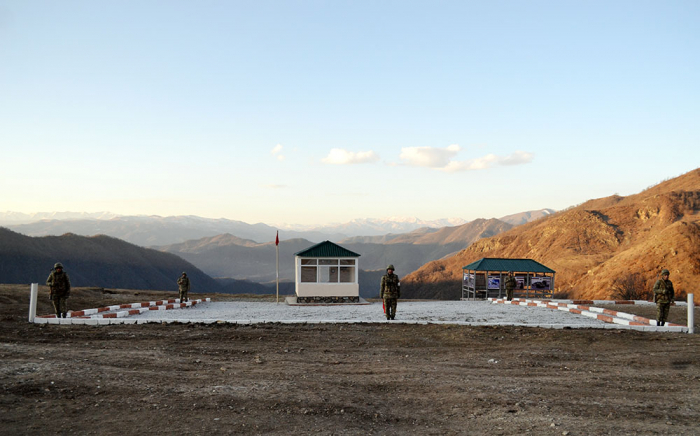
(103,261)
(14,218)
(378,226)
(526,217)
(593,244)
(231,256)
(150,231)
(93,261)
(238,264)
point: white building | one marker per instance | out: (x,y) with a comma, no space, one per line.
(327,273)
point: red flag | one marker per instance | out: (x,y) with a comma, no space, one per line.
(277,239)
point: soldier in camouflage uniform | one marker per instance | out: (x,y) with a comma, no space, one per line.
(511,283)
(183,284)
(663,296)
(390,291)
(59,285)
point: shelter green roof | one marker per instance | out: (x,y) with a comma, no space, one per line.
(326,249)
(515,265)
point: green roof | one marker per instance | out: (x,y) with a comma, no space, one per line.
(515,265)
(326,249)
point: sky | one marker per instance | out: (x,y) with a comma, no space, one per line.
(318,112)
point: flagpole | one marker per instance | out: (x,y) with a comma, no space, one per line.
(277,250)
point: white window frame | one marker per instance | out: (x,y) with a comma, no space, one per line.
(315,262)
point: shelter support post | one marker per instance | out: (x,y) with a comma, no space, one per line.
(691,314)
(500,284)
(527,286)
(33,296)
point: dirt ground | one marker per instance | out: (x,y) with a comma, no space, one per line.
(341,379)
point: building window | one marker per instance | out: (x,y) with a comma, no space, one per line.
(328,270)
(308,274)
(328,274)
(347,274)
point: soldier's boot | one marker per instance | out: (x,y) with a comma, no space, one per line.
(658,323)
(663,323)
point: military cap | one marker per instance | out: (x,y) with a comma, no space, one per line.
(391,267)
(58,265)
(664,271)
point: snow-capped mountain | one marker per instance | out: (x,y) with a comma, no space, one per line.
(378,226)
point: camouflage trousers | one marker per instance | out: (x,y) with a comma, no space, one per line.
(509,294)
(183,296)
(662,311)
(60,304)
(390,307)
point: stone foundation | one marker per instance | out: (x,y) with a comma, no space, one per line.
(327,300)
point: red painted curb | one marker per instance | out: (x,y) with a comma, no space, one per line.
(606,318)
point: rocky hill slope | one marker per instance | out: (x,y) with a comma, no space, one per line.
(593,244)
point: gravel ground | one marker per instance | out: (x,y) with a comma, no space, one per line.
(452,312)
(341,378)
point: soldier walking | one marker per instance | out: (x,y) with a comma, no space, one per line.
(59,286)
(183,284)
(663,296)
(511,283)
(390,291)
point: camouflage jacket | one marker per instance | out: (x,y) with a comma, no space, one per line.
(59,283)
(183,283)
(511,283)
(663,291)
(390,286)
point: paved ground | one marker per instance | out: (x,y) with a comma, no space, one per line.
(460,312)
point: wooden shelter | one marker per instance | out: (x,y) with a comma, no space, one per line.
(486,278)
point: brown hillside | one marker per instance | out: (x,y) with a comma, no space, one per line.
(593,244)
(466,233)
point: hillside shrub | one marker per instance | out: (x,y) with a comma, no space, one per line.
(631,287)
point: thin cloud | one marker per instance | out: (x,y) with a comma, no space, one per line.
(274,186)
(442,159)
(488,161)
(429,157)
(276,152)
(339,156)
(517,158)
